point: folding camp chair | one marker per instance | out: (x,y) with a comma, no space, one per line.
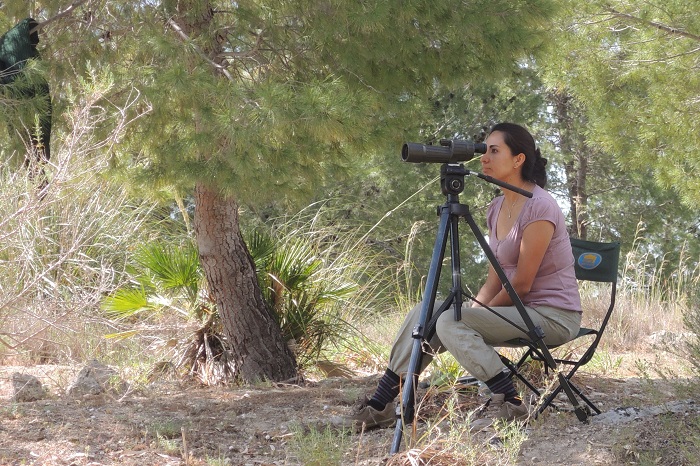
(593,262)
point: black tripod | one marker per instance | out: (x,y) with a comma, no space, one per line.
(452,184)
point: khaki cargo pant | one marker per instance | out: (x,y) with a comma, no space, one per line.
(471,340)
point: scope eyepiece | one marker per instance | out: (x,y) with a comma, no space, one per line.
(449,151)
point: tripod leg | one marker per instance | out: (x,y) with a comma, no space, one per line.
(456,268)
(405,410)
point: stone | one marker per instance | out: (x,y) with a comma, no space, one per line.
(94,379)
(27,388)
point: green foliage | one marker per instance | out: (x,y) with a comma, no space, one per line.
(333,83)
(166,282)
(25,104)
(309,279)
(314,276)
(446,370)
(166,277)
(299,291)
(127,302)
(165,428)
(604,363)
(319,447)
(617,74)
(171,268)
(632,66)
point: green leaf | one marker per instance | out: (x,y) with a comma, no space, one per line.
(172,268)
(127,302)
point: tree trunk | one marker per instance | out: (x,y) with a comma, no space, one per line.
(576,165)
(258,348)
(582,193)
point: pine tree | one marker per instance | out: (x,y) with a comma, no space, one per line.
(261,100)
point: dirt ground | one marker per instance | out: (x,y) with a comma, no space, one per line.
(171,423)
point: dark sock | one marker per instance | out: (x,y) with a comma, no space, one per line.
(502,383)
(387,390)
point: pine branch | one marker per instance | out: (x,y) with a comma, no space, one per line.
(65,12)
(662,27)
(250,53)
(201,53)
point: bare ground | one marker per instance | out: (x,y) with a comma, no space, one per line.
(171,423)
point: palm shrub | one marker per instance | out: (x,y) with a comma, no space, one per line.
(300,290)
(167,281)
(328,281)
(164,277)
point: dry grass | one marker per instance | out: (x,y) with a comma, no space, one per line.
(653,298)
(63,249)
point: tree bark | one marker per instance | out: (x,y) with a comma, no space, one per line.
(258,348)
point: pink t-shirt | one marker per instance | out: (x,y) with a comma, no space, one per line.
(555,284)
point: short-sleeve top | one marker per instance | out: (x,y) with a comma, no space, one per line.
(555,284)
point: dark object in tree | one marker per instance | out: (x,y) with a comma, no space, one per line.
(17,47)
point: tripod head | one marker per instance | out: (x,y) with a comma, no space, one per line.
(452,180)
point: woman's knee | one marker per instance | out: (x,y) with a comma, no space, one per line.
(445,324)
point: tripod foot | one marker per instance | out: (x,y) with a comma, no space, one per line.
(583,414)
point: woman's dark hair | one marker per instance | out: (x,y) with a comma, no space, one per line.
(519,140)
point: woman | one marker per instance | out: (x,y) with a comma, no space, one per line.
(530,241)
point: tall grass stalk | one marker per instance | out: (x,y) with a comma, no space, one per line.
(446,439)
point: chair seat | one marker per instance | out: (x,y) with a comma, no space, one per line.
(583,331)
(519,342)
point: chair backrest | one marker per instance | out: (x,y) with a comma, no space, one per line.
(596,261)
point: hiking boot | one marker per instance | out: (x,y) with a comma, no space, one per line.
(511,412)
(366,417)
(497,409)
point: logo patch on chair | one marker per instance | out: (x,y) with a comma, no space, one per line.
(589,260)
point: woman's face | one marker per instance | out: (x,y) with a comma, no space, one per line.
(498,161)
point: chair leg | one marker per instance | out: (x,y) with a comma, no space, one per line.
(581,413)
(572,392)
(584,398)
(513,368)
(574,388)
(549,401)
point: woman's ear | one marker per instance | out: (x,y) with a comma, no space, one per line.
(519,160)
